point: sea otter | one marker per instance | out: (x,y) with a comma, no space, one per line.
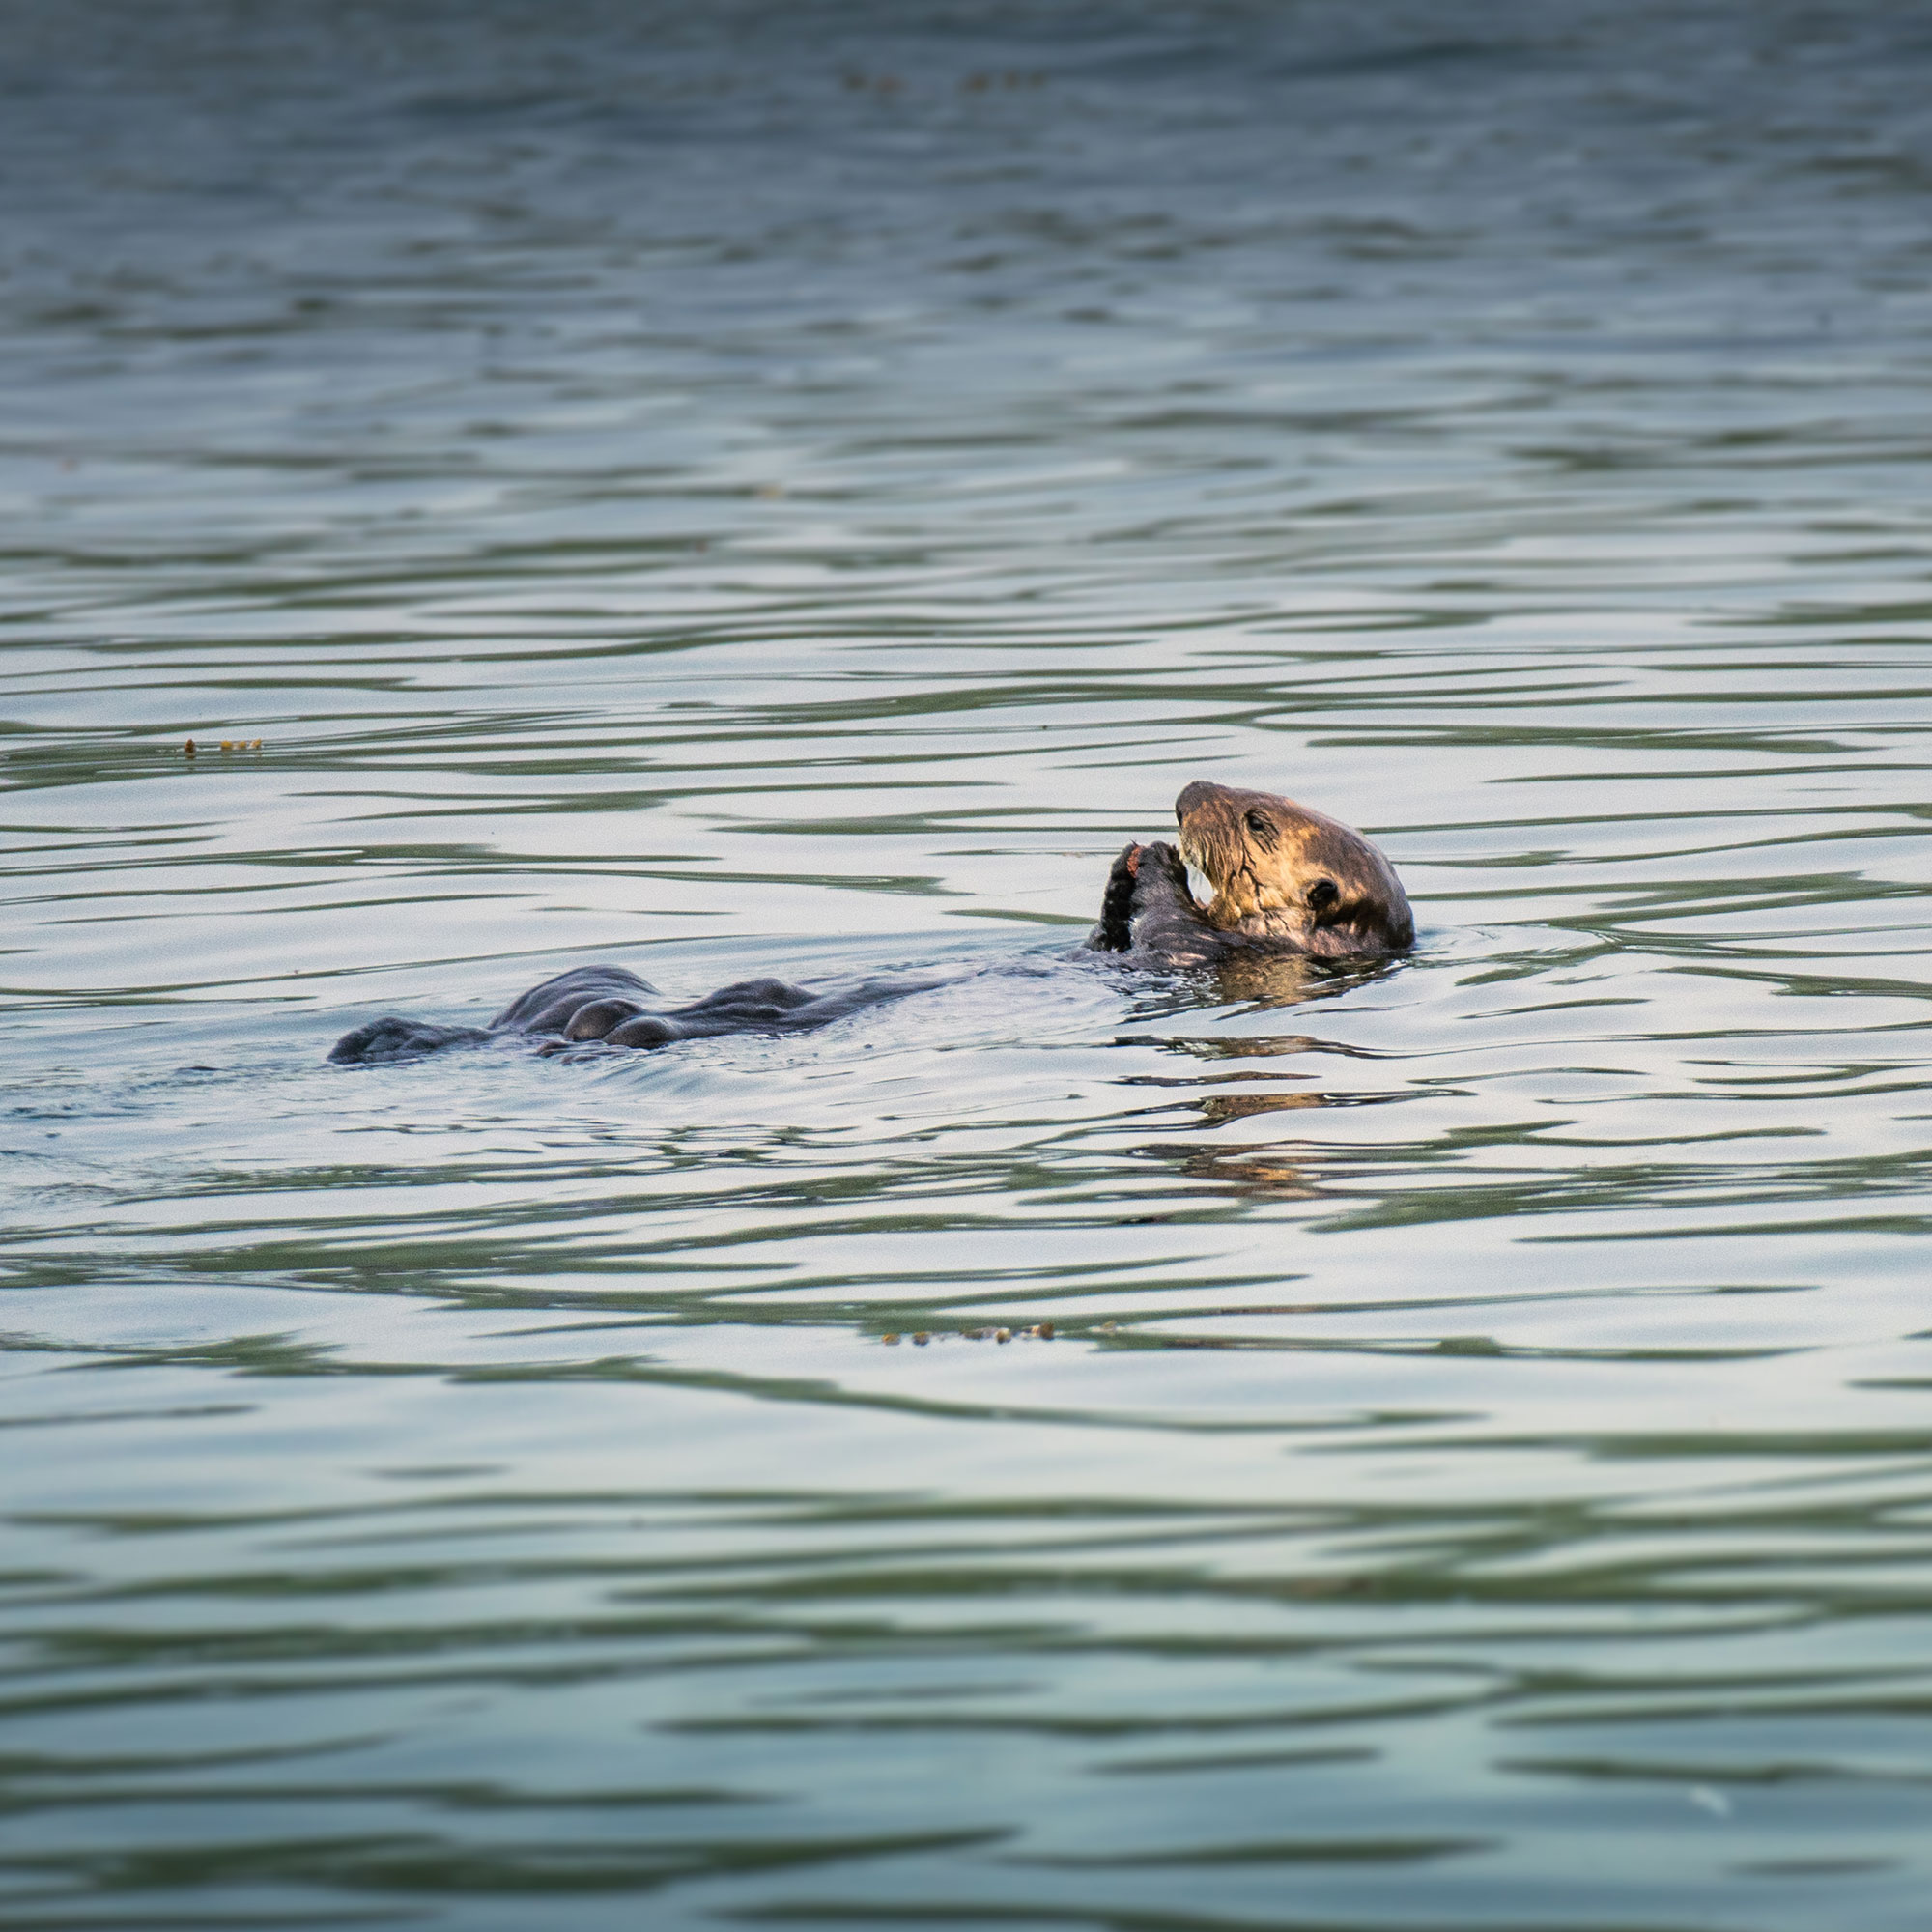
(1282,880)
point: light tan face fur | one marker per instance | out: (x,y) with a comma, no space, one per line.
(1283,872)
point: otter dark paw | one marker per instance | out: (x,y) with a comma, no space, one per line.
(1115,931)
(1148,908)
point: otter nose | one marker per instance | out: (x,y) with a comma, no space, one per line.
(1193,796)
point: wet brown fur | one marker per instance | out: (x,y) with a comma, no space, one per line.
(1285,880)
(1272,863)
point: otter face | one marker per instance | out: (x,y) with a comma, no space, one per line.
(1282,872)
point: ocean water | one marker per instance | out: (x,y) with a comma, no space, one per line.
(794,490)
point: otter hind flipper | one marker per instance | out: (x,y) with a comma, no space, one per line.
(759,993)
(575,988)
(391,1038)
(770,1005)
(600,1018)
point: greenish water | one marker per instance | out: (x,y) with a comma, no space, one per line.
(794,491)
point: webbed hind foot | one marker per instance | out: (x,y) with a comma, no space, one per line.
(387,1039)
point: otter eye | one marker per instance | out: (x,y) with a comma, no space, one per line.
(1258,824)
(1321,895)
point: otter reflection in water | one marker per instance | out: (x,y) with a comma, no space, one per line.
(1281,881)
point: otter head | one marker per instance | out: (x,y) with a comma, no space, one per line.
(1283,874)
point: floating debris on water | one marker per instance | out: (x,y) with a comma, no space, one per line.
(1040,1331)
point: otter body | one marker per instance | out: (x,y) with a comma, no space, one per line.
(1284,881)
(612,1005)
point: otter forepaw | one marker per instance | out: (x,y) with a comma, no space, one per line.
(1147,893)
(1115,931)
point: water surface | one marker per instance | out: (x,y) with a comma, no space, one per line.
(793,492)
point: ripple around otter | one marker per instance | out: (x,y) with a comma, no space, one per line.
(790,494)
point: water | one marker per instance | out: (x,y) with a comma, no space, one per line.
(793,490)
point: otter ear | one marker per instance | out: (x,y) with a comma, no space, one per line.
(1322,894)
